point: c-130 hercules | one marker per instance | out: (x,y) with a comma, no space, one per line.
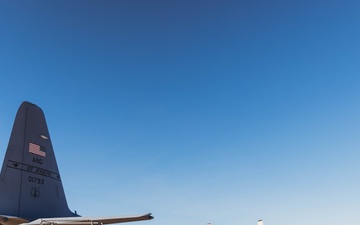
(31,192)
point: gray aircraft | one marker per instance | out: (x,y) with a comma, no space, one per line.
(31,192)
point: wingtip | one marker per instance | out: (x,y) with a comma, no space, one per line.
(149,216)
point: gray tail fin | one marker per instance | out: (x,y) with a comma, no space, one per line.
(30,183)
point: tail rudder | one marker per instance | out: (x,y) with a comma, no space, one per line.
(30,182)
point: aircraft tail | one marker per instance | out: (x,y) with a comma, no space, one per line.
(30,182)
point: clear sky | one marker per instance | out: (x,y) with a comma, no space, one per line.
(197,111)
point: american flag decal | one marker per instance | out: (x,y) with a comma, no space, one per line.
(37,149)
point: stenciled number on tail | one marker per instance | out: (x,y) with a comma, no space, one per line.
(37,180)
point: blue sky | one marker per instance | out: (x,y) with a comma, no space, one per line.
(196,111)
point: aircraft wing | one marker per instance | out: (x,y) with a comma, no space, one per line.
(89,220)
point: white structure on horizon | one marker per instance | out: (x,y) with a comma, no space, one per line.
(260,222)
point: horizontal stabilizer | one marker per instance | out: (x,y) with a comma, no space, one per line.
(89,220)
(11,220)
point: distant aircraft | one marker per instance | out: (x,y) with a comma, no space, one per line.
(31,192)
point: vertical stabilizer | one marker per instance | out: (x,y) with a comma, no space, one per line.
(30,183)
